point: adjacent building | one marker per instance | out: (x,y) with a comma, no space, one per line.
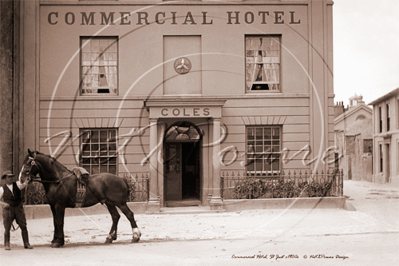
(386,138)
(178,90)
(354,139)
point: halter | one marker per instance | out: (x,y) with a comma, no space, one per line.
(34,178)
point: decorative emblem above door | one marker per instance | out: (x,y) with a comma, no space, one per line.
(182,65)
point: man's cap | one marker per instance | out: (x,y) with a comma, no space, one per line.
(6,173)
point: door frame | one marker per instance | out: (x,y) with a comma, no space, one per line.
(200,156)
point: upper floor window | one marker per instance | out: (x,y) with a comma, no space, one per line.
(262,63)
(380,118)
(388,118)
(263,150)
(98,150)
(99,65)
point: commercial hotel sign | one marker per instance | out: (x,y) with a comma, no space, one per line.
(124,18)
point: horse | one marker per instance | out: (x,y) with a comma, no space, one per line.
(60,185)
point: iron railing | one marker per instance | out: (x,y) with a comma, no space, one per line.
(34,193)
(287,184)
(138,187)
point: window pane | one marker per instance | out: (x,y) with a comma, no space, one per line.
(103,136)
(267,165)
(259,133)
(268,143)
(250,133)
(268,133)
(103,150)
(259,148)
(276,163)
(112,135)
(86,150)
(112,160)
(258,163)
(95,169)
(276,133)
(94,136)
(112,169)
(112,147)
(94,149)
(103,168)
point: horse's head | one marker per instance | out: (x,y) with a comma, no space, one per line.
(35,163)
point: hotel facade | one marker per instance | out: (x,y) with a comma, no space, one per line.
(179,91)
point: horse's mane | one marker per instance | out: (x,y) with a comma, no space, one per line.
(55,160)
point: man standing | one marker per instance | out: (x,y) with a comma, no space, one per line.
(10,194)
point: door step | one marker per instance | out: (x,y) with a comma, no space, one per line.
(183,203)
(188,210)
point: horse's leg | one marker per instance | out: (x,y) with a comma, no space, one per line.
(130,216)
(59,221)
(115,218)
(54,223)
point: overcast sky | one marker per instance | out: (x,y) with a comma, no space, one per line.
(366,48)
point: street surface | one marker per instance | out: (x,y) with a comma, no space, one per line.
(368,235)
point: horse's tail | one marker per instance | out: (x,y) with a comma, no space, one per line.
(127,187)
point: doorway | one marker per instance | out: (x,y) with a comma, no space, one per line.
(182,174)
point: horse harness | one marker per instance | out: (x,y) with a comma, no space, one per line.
(82,179)
(82,176)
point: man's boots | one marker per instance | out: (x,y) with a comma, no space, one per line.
(7,240)
(25,238)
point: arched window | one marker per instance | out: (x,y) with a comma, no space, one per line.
(183,131)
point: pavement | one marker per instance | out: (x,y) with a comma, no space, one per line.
(371,208)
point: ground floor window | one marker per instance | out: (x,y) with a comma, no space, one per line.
(263,150)
(98,150)
(368,146)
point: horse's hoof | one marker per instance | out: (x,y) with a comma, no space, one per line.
(136,238)
(56,245)
(108,241)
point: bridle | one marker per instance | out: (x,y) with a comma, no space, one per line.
(33,178)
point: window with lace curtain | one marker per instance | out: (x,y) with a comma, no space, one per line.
(99,65)
(262,63)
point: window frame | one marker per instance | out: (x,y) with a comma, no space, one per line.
(368,146)
(261,83)
(94,91)
(98,154)
(388,118)
(380,118)
(381,159)
(263,155)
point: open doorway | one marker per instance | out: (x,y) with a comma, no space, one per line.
(182,166)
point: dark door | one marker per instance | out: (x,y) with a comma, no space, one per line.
(173,174)
(190,170)
(182,171)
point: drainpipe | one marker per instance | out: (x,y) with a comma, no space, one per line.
(6,84)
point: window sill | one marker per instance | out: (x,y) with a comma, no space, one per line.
(263,92)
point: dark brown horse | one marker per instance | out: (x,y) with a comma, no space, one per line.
(60,185)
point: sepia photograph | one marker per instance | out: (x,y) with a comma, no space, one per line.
(199,132)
